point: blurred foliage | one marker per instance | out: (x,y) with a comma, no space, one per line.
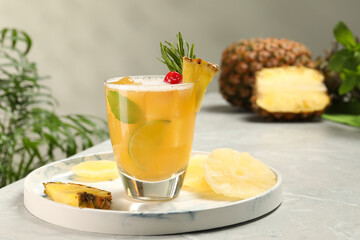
(346,61)
(341,67)
(32,134)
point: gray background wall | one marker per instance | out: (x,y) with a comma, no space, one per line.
(80,43)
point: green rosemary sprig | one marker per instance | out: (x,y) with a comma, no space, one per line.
(172,56)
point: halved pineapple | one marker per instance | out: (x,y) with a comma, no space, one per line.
(201,73)
(237,175)
(78,195)
(289,93)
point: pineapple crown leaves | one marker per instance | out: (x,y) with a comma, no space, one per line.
(346,61)
(172,55)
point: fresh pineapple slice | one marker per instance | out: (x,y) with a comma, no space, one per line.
(102,170)
(238,175)
(78,195)
(201,73)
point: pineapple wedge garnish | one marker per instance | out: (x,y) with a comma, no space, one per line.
(201,73)
(78,195)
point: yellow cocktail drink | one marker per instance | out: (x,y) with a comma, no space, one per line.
(151,126)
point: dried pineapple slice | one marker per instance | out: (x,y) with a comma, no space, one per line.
(102,170)
(201,73)
(195,174)
(238,175)
(78,195)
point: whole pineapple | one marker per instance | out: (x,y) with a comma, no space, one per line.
(242,59)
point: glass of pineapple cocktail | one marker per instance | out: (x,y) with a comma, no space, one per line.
(151,126)
(151,122)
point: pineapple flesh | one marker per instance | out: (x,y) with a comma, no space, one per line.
(201,73)
(289,93)
(78,195)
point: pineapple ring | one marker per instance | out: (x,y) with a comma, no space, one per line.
(195,174)
(97,170)
(237,175)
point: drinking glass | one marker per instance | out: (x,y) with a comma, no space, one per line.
(151,127)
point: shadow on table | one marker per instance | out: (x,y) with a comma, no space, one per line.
(223,109)
(249,116)
(257,119)
(334,129)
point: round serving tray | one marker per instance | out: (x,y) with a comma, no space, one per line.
(190,211)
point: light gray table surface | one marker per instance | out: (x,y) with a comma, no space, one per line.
(319,162)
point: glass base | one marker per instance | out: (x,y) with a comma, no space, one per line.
(153,191)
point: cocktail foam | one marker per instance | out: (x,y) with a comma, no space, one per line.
(151,83)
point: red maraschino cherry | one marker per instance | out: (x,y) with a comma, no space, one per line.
(173,78)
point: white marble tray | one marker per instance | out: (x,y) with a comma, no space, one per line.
(190,211)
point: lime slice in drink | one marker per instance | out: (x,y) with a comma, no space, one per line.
(123,108)
(146,141)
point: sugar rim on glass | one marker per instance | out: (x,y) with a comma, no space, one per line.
(149,83)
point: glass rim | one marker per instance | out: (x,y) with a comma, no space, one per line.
(108,83)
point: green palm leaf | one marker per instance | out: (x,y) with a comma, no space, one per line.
(32,134)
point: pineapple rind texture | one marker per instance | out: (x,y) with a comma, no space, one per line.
(289,94)
(242,59)
(78,195)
